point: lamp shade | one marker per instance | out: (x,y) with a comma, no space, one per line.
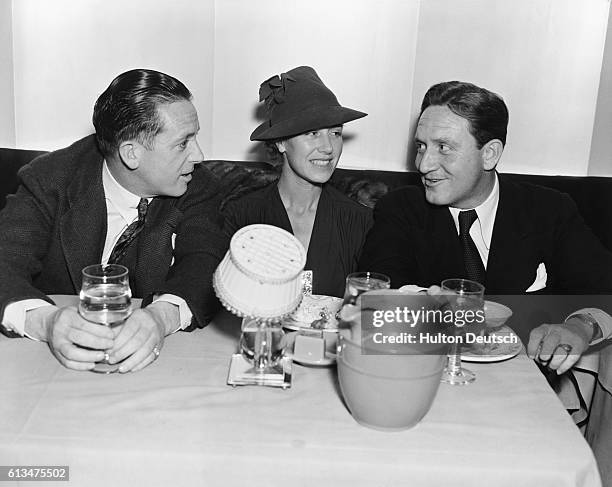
(261,273)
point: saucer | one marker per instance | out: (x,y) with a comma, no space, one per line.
(412,289)
(329,359)
(499,352)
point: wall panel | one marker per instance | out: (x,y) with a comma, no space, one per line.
(68,51)
(7,92)
(543,56)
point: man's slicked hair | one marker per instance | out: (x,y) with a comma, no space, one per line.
(485,111)
(127,110)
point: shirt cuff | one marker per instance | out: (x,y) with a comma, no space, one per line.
(603,319)
(14,317)
(185,313)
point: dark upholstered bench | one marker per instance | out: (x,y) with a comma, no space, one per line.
(593,195)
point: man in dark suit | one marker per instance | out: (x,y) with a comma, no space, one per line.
(468,221)
(132,194)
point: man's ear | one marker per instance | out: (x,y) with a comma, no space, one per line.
(281,146)
(491,154)
(130,154)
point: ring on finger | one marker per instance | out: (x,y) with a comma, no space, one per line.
(565,347)
(156,351)
(546,362)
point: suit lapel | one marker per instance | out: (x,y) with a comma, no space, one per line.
(83,226)
(446,253)
(509,268)
(155,245)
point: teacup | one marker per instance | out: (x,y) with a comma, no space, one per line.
(314,347)
(496,315)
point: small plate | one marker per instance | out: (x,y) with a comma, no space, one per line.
(500,351)
(329,359)
(413,289)
(310,310)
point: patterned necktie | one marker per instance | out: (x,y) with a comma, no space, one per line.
(129,234)
(471,257)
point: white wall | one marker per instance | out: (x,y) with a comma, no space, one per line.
(601,147)
(7,94)
(543,56)
(362,49)
(68,51)
(379,56)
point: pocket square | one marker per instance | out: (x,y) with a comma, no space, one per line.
(172,240)
(540,280)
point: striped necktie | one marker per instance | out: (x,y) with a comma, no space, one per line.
(129,234)
(471,258)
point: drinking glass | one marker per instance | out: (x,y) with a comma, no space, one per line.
(105,298)
(465,295)
(358,283)
(262,344)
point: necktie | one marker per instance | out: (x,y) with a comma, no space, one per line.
(129,234)
(471,257)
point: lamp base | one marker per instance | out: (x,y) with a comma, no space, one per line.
(242,373)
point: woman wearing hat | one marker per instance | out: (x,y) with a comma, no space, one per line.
(304,125)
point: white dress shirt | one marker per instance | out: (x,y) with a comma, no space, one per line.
(121,210)
(481,230)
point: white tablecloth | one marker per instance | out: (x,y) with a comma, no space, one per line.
(178,423)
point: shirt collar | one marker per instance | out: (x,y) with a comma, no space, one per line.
(486,212)
(123,200)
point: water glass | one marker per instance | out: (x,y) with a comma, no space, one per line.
(358,283)
(465,295)
(105,299)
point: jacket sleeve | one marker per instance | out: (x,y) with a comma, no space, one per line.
(26,223)
(581,263)
(199,247)
(387,248)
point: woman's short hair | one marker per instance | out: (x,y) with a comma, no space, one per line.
(275,157)
(485,111)
(127,109)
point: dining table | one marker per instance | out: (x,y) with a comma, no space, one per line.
(177,422)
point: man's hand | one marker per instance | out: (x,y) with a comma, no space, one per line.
(66,332)
(141,338)
(548,344)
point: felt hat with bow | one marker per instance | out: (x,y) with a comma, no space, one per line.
(297,102)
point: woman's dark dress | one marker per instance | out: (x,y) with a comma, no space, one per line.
(338,233)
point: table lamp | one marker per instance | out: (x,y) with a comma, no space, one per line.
(260,279)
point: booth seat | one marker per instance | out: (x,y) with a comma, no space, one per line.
(593,195)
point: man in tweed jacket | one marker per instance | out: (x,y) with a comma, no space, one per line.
(73,205)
